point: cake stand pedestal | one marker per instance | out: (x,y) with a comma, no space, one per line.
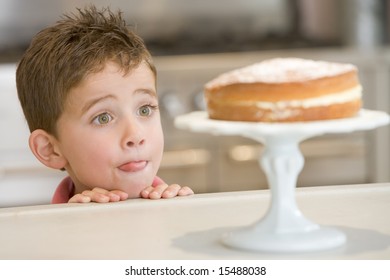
(284,228)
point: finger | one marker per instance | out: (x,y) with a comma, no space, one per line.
(100,190)
(157,192)
(146,192)
(97,196)
(171,191)
(79,198)
(113,195)
(185,191)
(121,194)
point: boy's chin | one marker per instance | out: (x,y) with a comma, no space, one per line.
(134,189)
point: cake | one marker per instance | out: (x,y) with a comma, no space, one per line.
(285,90)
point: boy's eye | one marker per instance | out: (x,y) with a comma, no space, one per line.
(145,111)
(104,118)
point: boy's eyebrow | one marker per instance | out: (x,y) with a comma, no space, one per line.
(92,102)
(147,91)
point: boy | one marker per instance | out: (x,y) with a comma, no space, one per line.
(87,86)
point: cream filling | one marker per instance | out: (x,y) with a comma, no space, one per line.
(329,99)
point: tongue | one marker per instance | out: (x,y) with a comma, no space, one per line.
(133,166)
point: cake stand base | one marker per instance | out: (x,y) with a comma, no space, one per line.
(283,228)
(314,239)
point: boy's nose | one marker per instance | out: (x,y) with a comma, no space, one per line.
(133,135)
(135,141)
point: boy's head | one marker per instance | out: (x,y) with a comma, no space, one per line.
(61,56)
(87,87)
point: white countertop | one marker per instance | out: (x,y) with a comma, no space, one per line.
(191,227)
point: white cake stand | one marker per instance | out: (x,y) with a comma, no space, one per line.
(283,228)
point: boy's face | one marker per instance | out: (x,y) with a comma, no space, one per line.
(110,131)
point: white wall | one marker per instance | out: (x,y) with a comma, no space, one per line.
(23,179)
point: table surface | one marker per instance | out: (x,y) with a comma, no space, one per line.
(191,227)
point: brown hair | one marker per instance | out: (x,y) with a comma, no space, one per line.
(61,56)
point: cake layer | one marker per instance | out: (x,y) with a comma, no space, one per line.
(274,92)
(288,114)
(285,90)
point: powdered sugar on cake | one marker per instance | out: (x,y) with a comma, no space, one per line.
(281,70)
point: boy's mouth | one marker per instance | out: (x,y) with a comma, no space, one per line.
(133,166)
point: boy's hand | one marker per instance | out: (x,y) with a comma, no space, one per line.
(102,196)
(166,191)
(98,195)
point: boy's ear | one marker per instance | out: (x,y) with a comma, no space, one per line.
(44,147)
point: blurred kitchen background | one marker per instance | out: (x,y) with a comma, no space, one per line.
(192,42)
